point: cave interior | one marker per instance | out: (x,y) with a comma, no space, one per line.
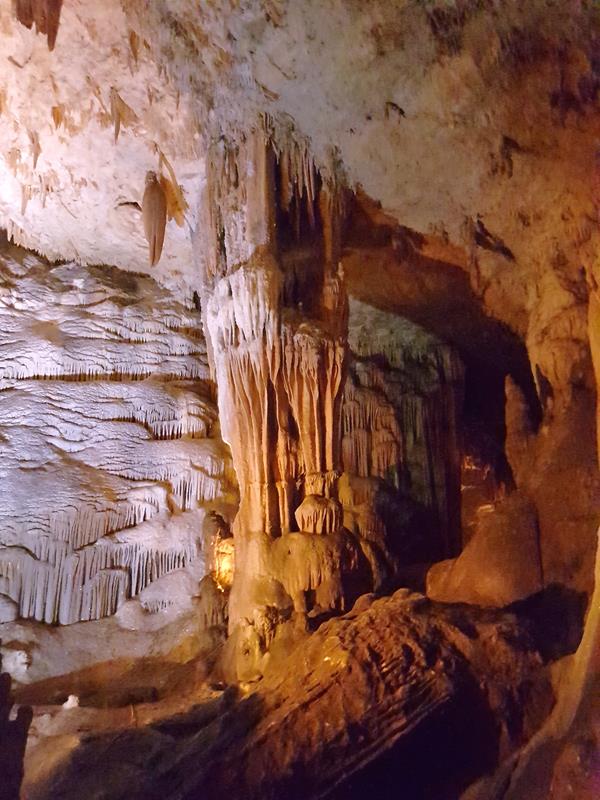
(299,418)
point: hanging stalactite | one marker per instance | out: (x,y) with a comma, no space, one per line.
(44,14)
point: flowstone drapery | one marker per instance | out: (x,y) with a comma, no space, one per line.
(109,445)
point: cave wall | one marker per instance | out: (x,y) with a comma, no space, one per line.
(402,437)
(109,442)
(466,132)
(80,126)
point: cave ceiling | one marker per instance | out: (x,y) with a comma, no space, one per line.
(419,104)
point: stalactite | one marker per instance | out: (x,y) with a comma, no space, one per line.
(46,340)
(88,583)
(319,515)
(312,371)
(120,113)
(175,200)
(243,322)
(154,214)
(44,13)
(297,173)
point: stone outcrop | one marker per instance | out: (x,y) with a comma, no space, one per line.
(555,468)
(501,562)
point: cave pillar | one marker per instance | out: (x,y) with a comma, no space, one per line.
(280,373)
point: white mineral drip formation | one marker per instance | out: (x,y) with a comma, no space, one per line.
(105,437)
(319,515)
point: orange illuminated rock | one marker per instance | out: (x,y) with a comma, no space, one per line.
(500,564)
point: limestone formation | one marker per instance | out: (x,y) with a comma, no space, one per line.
(342,345)
(500,564)
(107,438)
(402,405)
(279,351)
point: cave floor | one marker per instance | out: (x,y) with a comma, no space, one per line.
(359,703)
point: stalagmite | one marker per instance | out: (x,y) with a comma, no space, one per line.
(308,563)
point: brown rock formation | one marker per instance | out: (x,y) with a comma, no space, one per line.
(381,685)
(500,564)
(279,351)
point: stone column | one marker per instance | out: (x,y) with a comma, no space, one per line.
(280,372)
